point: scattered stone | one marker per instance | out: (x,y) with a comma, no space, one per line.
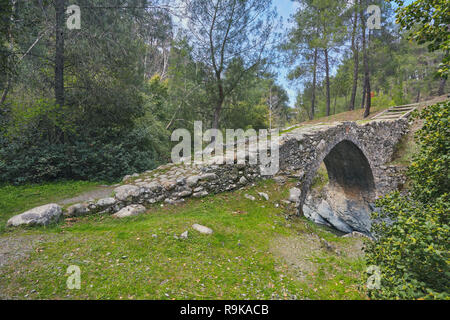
(264,195)
(173,201)
(184,235)
(200,194)
(42,215)
(279,179)
(294,194)
(355,234)
(202,229)
(249,197)
(131,210)
(243,180)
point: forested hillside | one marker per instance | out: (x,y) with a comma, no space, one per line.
(101,101)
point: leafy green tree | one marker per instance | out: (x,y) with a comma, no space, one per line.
(223,31)
(428,21)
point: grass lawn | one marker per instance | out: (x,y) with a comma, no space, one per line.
(255,252)
(17,199)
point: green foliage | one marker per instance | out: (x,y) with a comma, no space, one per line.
(382,101)
(413,232)
(103,159)
(412,251)
(428,21)
(429,170)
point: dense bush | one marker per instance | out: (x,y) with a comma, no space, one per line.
(413,235)
(85,160)
(42,142)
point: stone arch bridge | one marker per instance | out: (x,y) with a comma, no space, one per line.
(355,155)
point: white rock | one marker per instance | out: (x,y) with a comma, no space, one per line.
(202,229)
(294,194)
(184,235)
(42,215)
(250,197)
(264,195)
(131,210)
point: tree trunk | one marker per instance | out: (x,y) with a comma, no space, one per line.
(363,95)
(327,80)
(59,52)
(11,46)
(219,104)
(366,67)
(313,98)
(418,95)
(442,86)
(355,62)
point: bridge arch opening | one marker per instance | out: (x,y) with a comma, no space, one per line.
(344,201)
(349,169)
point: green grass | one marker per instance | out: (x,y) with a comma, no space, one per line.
(17,199)
(122,259)
(321,178)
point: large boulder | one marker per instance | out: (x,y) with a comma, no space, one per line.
(42,215)
(126,192)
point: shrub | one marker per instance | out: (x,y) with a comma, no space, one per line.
(84,160)
(412,235)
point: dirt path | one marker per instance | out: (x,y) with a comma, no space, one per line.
(98,193)
(16,247)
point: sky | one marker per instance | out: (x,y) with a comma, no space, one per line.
(285,9)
